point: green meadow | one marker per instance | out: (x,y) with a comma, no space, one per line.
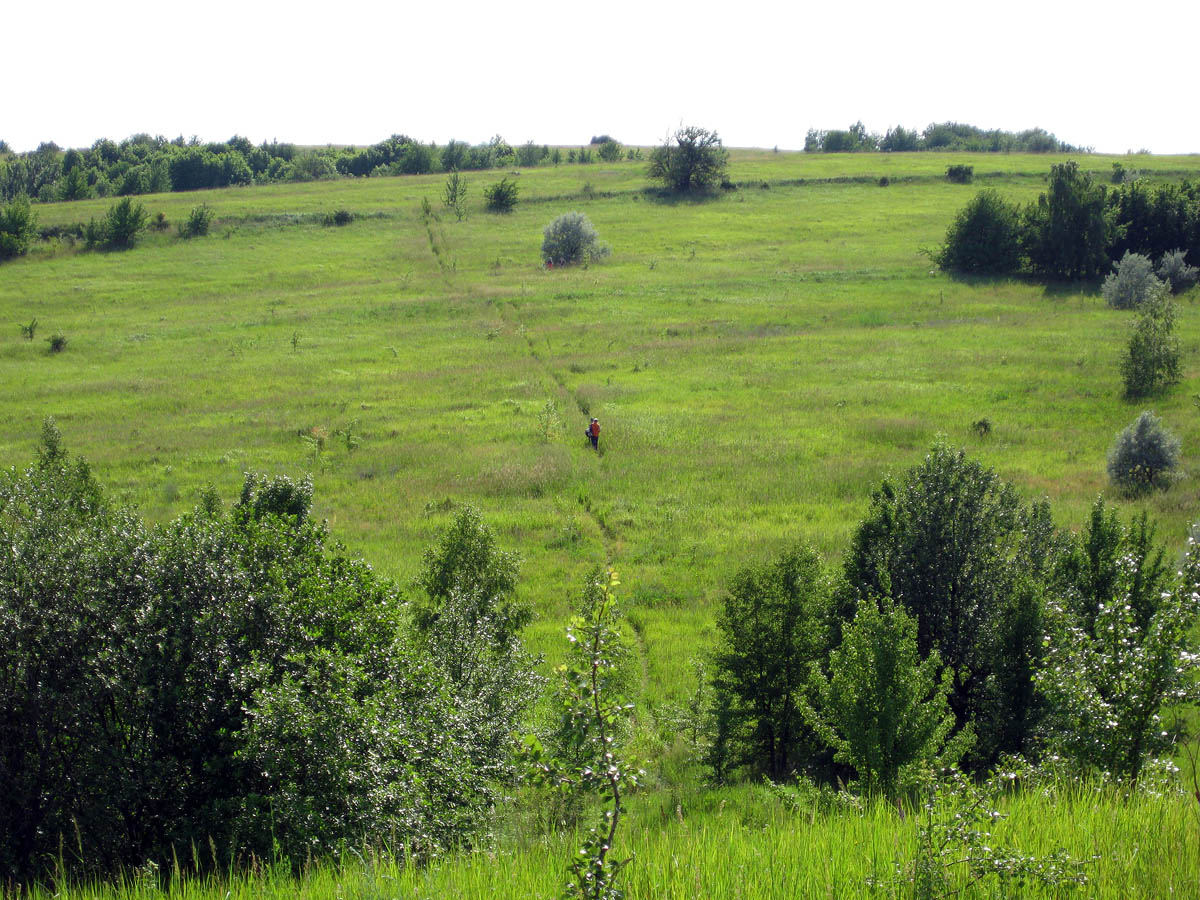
(743,843)
(758,361)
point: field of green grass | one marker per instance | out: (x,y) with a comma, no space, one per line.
(743,843)
(759,362)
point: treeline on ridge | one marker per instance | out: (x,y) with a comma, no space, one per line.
(941,136)
(143,164)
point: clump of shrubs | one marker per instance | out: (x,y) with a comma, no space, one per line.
(1144,456)
(1131,283)
(960,174)
(501,197)
(1175,272)
(198,222)
(18,226)
(571,238)
(119,229)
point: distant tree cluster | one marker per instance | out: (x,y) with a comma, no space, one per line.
(961,626)
(946,136)
(1077,229)
(142,164)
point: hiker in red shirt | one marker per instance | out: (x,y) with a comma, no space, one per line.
(593,433)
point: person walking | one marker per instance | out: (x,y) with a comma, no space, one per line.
(593,433)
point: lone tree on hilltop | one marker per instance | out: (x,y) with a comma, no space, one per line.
(692,160)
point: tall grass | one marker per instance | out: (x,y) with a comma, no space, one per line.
(745,843)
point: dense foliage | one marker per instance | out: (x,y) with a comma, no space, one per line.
(984,238)
(1078,228)
(18,226)
(691,160)
(965,627)
(936,136)
(770,636)
(1151,361)
(501,196)
(571,238)
(143,164)
(228,680)
(1144,455)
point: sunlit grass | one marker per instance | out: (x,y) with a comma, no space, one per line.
(758,362)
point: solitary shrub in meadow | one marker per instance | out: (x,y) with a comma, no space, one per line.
(1131,282)
(198,221)
(960,174)
(501,197)
(609,151)
(1144,455)
(123,223)
(571,238)
(693,159)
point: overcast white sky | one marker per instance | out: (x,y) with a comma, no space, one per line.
(1101,74)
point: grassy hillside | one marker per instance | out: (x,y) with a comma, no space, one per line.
(758,363)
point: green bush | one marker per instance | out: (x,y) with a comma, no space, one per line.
(501,197)
(1131,282)
(123,223)
(610,151)
(883,707)
(953,544)
(692,160)
(198,222)
(1174,271)
(1116,665)
(960,174)
(984,238)
(1067,232)
(571,238)
(1151,360)
(769,637)
(18,227)
(1144,456)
